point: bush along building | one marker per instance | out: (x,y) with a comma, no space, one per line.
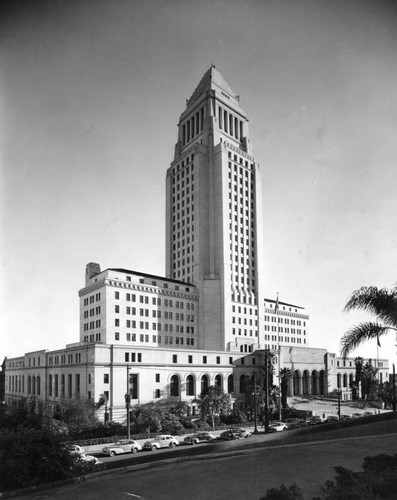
(163,339)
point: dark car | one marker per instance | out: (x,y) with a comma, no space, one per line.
(199,437)
(230,435)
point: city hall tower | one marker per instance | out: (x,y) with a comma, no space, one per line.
(214,217)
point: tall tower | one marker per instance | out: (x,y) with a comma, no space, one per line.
(214,217)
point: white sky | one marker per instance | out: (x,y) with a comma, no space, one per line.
(90,96)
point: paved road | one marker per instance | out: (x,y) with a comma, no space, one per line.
(239,474)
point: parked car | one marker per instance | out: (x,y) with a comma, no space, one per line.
(315,420)
(242,432)
(332,418)
(295,423)
(162,441)
(356,415)
(230,435)
(278,426)
(199,437)
(345,417)
(125,446)
(75,449)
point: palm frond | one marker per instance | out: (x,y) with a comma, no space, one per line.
(359,334)
(382,302)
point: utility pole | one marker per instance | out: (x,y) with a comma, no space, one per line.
(266,392)
(255,410)
(128,403)
(394,388)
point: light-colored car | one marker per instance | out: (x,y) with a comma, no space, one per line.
(199,437)
(124,446)
(162,441)
(278,426)
(75,449)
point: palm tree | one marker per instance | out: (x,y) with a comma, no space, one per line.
(359,362)
(382,302)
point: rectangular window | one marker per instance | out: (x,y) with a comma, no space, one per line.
(139,357)
(105,378)
(157,393)
(190,359)
(204,360)
(134,385)
(175,358)
(218,360)
(157,377)
(127,357)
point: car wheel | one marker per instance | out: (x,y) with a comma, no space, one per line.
(154,448)
(134,450)
(172,444)
(195,441)
(112,454)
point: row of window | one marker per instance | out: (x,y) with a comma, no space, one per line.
(156,339)
(192,126)
(287,321)
(156,301)
(93,298)
(92,338)
(283,329)
(61,359)
(145,325)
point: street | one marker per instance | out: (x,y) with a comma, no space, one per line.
(238,474)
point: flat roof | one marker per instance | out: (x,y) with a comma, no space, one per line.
(284,303)
(152,276)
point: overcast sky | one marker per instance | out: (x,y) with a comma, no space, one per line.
(91,93)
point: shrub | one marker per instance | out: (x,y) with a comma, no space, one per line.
(30,457)
(293,492)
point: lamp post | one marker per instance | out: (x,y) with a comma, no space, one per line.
(394,388)
(128,403)
(339,395)
(266,393)
(255,409)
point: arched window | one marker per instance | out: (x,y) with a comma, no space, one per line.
(29,384)
(204,383)
(225,120)
(230,384)
(190,385)
(236,128)
(338,378)
(241,130)
(220,117)
(243,384)
(218,381)
(231,124)
(344,380)
(38,385)
(174,388)
(33,385)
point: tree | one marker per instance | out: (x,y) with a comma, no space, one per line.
(213,402)
(29,457)
(77,414)
(358,362)
(285,375)
(368,380)
(380,302)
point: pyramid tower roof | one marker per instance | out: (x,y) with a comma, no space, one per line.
(212,78)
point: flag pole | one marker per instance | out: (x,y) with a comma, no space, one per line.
(278,360)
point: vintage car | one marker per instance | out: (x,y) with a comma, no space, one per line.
(199,437)
(124,446)
(162,441)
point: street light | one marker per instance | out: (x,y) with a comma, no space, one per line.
(127,398)
(255,409)
(339,395)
